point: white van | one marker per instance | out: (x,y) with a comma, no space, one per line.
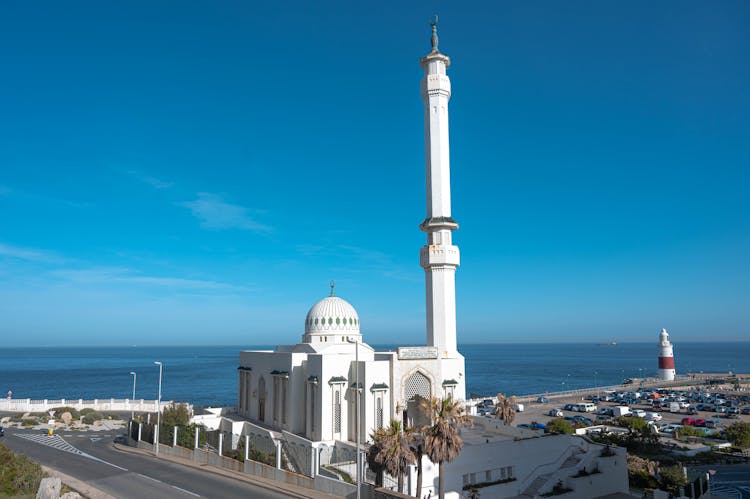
(585,407)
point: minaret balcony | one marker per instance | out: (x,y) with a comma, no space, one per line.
(438,223)
(439,255)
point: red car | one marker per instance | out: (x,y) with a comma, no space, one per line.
(694,421)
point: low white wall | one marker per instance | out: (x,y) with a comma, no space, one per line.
(44,405)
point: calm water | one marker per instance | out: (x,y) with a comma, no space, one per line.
(207,375)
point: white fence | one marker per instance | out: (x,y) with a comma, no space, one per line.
(30,405)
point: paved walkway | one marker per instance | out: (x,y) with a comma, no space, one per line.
(285,488)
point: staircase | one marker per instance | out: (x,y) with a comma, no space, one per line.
(534,487)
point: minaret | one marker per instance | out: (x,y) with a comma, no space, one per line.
(666,357)
(439,257)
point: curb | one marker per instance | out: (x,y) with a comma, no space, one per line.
(270,485)
(79,486)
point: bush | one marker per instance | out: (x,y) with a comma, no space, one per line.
(72,410)
(19,476)
(739,434)
(559,425)
(186,436)
(672,478)
(91,417)
(175,415)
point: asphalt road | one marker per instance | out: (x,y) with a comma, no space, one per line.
(90,457)
(730,481)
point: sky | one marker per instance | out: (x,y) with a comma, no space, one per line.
(180,173)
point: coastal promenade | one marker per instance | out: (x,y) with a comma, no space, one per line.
(111,404)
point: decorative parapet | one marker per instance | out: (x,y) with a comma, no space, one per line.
(379,387)
(244,368)
(450,382)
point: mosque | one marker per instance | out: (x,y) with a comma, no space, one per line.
(307,397)
(310,388)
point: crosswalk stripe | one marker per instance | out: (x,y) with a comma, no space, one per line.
(57,442)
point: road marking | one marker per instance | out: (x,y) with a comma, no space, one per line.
(57,442)
(185,491)
(95,439)
(149,478)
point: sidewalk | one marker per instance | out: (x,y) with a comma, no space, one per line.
(273,485)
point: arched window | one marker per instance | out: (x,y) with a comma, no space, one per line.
(337,411)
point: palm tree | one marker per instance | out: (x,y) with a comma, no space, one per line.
(395,453)
(442,443)
(375,465)
(417,447)
(506,408)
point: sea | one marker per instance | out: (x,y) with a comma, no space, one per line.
(207,375)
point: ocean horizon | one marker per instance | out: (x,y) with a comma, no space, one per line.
(207,375)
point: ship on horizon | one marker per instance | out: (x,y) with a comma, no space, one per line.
(610,344)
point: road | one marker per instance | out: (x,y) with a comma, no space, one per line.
(730,481)
(91,457)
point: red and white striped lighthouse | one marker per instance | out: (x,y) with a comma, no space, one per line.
(666,357)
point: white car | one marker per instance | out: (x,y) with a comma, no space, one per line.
(639,413)
(653,416)
(555,413)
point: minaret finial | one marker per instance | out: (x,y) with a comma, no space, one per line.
(332,285)
(434,39)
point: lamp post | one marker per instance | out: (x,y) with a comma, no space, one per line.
(158,413)
(596,385)
(357,420)
(132,409)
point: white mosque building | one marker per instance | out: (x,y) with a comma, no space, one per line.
(309,389)
(306,394)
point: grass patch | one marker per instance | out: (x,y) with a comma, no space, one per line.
(19,475)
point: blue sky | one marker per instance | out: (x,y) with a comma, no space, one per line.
(197,172)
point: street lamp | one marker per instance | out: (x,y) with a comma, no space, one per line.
(356,387)
(596,385)
(158,412)
(132,401)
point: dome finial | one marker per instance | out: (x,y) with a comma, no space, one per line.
(332,285)
(434,39)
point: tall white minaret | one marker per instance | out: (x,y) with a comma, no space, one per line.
(666,357)
(439,257)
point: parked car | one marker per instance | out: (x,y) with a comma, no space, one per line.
(653,416)
(583,420)
(568,407)
(555,413)
(640,413)
(2,431)
(745,410)
(542,400)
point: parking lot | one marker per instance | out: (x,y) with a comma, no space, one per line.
(709,410)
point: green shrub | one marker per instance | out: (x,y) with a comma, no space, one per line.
(175,415)
(60,410)
(559,425)
(19,476)
(91,417)
(739,434)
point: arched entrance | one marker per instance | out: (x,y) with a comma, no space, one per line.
(417,389)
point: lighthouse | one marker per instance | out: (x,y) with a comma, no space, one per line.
(666,357)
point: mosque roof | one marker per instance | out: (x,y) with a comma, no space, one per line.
(332,315)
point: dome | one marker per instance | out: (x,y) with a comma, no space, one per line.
(332,315)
